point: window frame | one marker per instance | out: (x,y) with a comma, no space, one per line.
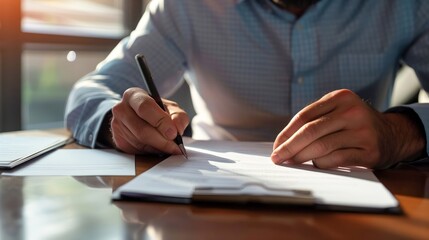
(13,41)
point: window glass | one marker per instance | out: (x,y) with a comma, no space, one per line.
(48,77)
(73,17)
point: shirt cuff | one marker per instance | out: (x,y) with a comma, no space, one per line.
(419,113)
(87,133)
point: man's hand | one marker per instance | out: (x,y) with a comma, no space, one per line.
(342,130)
(139,125)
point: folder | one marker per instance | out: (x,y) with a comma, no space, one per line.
(243,173)
(18,148)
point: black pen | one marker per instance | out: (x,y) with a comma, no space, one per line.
(153,92)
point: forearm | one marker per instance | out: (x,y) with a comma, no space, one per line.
(95,94)
(87,105)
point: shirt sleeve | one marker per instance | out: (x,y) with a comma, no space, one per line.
(160,37)
(417,56)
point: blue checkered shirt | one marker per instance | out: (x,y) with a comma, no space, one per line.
(251,66)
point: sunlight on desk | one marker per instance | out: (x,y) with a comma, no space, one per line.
(54,207)
(49,207)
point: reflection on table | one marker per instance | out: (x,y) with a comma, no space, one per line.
(81,208)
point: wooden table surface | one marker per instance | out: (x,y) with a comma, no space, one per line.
(81,208)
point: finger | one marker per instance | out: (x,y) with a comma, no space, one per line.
(128,141)
(139,134)
(178,115)
(121,136)
(181,120)
(328,103)
(307,114)
(147,136)
(306,135)
(341,158)
(326,145)
(146,108)
(120,133)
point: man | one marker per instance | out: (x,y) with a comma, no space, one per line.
(251,66)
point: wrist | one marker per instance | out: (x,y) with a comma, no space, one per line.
(104,138)
(408,136)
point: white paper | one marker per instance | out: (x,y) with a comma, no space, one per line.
(18,148)
(78,162)
(226,164)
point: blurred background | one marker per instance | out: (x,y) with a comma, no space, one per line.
(47,45)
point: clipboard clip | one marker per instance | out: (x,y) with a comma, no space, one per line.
(250,193)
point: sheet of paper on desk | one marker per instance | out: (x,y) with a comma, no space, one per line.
(227,164)
(78,162)
(19,148)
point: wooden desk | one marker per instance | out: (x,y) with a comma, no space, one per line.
(80,208)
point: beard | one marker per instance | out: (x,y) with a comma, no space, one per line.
(295,3)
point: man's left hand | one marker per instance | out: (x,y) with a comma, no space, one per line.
(342,130)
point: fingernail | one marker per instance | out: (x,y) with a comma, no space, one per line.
(170,133)
(276,159)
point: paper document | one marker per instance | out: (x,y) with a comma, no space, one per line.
(19,148)
(78,162)
(225,166)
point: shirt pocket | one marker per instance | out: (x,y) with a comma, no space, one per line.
(359,71)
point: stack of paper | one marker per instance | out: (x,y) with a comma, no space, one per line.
(18,148)
(78,162)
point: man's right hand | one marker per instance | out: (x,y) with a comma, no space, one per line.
(140,126)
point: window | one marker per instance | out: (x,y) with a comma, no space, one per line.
(74,17)
(46,45)
(48,75)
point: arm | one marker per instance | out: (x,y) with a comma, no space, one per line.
(341,130)
(416,57)
(92,99)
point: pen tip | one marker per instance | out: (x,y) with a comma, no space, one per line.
(183,150)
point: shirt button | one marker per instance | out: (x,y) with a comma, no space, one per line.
(90,137)
(300,80)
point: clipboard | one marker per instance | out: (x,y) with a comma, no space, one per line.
(245,195)
(242,195)
(233,196)
(277,197)
(243,173)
